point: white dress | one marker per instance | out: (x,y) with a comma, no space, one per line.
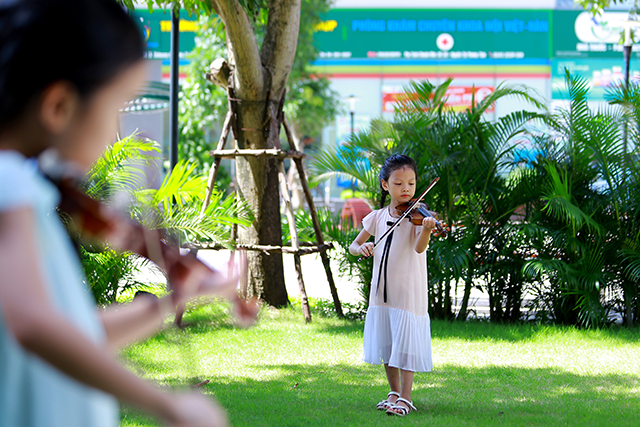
(32,392)
(397,331)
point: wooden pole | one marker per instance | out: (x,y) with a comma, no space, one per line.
(304,249)
(320,240)
(316,222)
(266,152)
(274,133)
(306,312)
(226,127)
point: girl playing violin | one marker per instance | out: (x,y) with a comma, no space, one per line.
(397,327)
(66,68)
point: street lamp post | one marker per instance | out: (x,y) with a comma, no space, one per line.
(352,111)
(627,46)
(628,25)
(174,131)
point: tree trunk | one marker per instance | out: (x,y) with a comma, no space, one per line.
(629,293)
(259,76)
(514,294)
(464,306)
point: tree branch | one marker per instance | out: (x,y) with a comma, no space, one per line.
(280,41)
(243,49)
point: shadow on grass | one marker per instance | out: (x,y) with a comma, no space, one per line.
(340,327)
(345,395)
(218,316)
(484,330)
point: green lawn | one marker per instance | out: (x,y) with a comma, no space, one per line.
(285,373)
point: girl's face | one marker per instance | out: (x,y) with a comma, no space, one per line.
(95,123)
(401,185)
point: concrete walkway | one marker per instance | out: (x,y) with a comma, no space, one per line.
(315,280)
(316,284)
(314,276)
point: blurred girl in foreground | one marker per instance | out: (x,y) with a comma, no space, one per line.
(66,68)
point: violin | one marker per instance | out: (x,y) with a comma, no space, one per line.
(187,275)
(418,213)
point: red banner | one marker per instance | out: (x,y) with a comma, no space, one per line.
(458,97)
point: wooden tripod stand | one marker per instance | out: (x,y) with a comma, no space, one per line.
(297,248)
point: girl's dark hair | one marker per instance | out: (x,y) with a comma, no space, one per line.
(397,161)
(84,42)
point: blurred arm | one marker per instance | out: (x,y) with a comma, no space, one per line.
(40,329)
(134,321)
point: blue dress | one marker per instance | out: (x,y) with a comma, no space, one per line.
(33,393)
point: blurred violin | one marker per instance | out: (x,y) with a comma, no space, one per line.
(187,275)
(419,212)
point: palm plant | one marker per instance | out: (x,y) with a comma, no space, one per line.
(469,155)
(589,218)
(565,226)
(622,179)
(474,156)
(174,207)
(111,274)
(358,160)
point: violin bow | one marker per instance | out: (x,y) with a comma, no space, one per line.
(405,213)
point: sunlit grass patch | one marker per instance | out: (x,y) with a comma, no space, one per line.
(283,372)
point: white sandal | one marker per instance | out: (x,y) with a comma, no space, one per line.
(401,411)
(385,404)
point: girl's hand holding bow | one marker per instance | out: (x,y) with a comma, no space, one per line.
(366,249)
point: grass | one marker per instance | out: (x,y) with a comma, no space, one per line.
(285,373)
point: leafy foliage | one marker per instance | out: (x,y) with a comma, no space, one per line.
(203,105)
(470,156)
(311,103)
(598,6)
(175,207)
(563,226)
(110,273)
(120,167)
(192,6)
(589,216)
